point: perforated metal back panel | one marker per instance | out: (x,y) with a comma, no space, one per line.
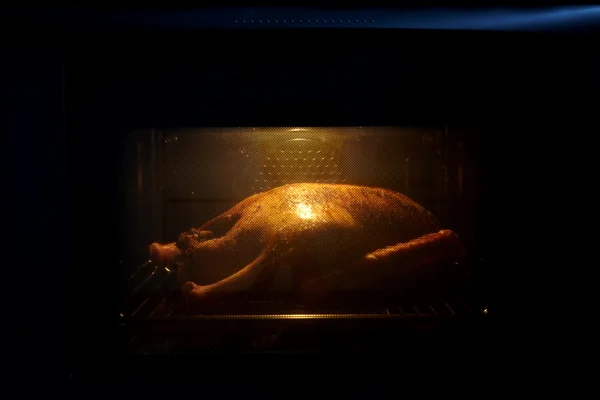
(301,159)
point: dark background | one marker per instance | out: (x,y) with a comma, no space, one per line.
(531,95)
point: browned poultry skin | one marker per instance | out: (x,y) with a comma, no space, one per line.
(308,237)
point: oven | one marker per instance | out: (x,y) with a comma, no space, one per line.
(294,180)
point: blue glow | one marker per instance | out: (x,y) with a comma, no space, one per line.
(494,19)
(497,19)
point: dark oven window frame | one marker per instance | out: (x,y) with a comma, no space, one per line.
(449,79)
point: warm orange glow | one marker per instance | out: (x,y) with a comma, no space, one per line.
(303,316)
(304,211)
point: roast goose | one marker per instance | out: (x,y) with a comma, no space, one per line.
(310,238)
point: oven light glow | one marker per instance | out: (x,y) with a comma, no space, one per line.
(304,211)
(485,311)
(297,130)
(300,316)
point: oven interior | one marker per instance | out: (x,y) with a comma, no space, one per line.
(177,179)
